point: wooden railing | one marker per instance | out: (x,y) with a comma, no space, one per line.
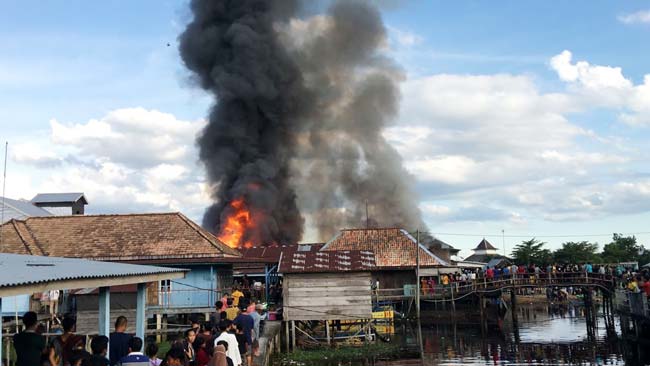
(485,285)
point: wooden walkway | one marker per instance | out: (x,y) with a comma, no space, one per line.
(458,290)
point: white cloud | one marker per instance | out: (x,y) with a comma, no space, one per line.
(127,161)
(135,137)
(605,86)
(404,38)
(501,149)
(642,16)
(589,76)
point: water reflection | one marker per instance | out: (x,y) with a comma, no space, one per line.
(545,334)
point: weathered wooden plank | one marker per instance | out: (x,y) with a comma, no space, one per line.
(327,302)
(295,283)
(345,291)
(342,314)
(328,275)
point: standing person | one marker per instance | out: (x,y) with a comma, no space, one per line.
(231,340)
(190,337)
(236,295)
(216,317)
(28,344)
(54,302)
(135,357)
(175,357)
(224,301)
(220,357)
(62,347)
(99,348)
(232,310)
(246,323)
(119,341)
(152,353)
(257,319)
(244,346)
(201,352)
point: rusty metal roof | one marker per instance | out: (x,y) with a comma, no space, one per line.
(393,247)
(330,261)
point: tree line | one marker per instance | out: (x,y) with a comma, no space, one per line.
(620,249)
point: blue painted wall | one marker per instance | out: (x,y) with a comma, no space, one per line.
(194,289)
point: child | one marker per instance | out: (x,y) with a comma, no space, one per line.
(152,353)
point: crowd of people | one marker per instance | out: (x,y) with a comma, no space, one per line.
(633,280)
(228,338)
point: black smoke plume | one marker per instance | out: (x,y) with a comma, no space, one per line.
(301,104)
(249,141)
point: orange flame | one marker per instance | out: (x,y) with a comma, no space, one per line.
(236,224)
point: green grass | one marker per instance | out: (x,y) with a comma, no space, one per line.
(325,355)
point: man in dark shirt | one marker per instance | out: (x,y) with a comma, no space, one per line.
(246,323)
(99,347)
(29,345)
(119,341)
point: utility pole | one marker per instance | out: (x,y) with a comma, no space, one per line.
(503,238)
(4,184)
(367,217)
(417,273)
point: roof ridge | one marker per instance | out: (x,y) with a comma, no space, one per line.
(31,235)
(372,228)
(103,215)
(20,236)
(218,244)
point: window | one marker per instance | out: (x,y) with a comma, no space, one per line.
(166,286)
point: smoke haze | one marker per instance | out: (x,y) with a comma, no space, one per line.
(300,109)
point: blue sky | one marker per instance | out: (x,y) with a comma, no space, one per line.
(498,134)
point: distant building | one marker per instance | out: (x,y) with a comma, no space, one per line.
(484,253)
(61,203)
(395,253)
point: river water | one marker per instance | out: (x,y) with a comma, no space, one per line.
(542,334)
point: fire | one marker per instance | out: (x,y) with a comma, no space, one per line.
(237,223)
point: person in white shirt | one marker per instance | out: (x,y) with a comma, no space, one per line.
(233,345)
(54,302)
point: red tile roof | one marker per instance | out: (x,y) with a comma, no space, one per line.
(393,247)
(137,237)
(327,261)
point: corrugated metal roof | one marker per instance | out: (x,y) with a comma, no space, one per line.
(21,270)
(58,197)
(330,261)
(18,209)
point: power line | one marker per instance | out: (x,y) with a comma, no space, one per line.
(540,236)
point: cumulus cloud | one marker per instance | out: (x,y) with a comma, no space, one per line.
(605,86)
(130,160)
(641,16)
(501,149)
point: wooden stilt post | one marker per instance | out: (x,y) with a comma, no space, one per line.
(327,332)
(287,338)
(158,327)
(293,335)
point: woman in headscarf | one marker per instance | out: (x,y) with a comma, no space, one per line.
(219,357)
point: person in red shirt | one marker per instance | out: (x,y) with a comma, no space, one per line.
(202,357)
(489,273)
(646,287)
